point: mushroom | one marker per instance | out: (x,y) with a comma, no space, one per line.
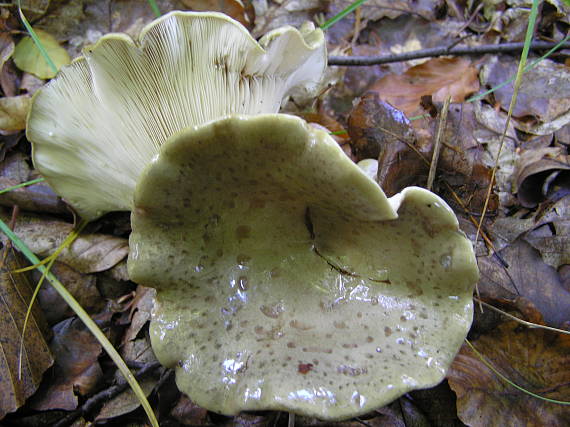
(101,121)
(285,278)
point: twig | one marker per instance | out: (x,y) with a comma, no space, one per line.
(521,321)
(103,396)
(360,61)
(437,143)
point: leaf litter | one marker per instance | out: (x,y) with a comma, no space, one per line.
(374,111)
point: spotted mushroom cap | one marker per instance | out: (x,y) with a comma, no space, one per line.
(285,278)
(100,122)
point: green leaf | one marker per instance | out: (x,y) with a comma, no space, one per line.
(28,57)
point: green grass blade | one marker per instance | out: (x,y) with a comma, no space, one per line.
(82,314)
(35,38)
(23,184)
(517,85)
(154,8)
(341,15)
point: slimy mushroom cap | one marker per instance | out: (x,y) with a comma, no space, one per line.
(285,278)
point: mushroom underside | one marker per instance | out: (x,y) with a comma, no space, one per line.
(286,280)
(96,126)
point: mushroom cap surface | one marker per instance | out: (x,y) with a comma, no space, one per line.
(285,278)
(104,117)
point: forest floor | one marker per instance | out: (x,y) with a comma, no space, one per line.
(522,248)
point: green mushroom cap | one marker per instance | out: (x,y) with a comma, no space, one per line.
(285,278)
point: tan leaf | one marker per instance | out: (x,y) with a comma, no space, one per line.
(90,253)
(15,293)
(28,57)
(534,359)
(13,112)
(438,77)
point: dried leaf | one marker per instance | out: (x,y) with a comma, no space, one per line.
(534,359)
(232,8)
(13,112)
(537,174)
(187,412)
(83,287)
(125,402)
(27,56)
(76,351)
(374,124)
(378,9)
(438,77)
(39,197)
(15,293)
(544,93)
(526,276)
(90,253)
(133,347)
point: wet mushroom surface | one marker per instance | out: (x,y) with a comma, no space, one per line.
(287,280)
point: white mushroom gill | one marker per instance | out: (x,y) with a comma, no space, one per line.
(100,122)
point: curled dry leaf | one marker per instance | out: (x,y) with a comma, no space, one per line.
(15,295)
(89,253)
(535,359)
(438,77)
(542,174)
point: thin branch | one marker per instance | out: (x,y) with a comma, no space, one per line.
(439,51)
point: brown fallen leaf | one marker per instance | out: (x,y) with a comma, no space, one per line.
(187,412)
(374,125)
(15,293)
(544,93)
(14,170)
(76,368)
(135,344)
(89,253)
(242,12)
(534,359)
(125,402)
(83,287)
(438,77)
(540,174)
(13,112)
(526,276)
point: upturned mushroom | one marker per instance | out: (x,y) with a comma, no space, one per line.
(285,278)
(97,125)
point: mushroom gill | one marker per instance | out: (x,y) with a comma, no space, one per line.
(104,117)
